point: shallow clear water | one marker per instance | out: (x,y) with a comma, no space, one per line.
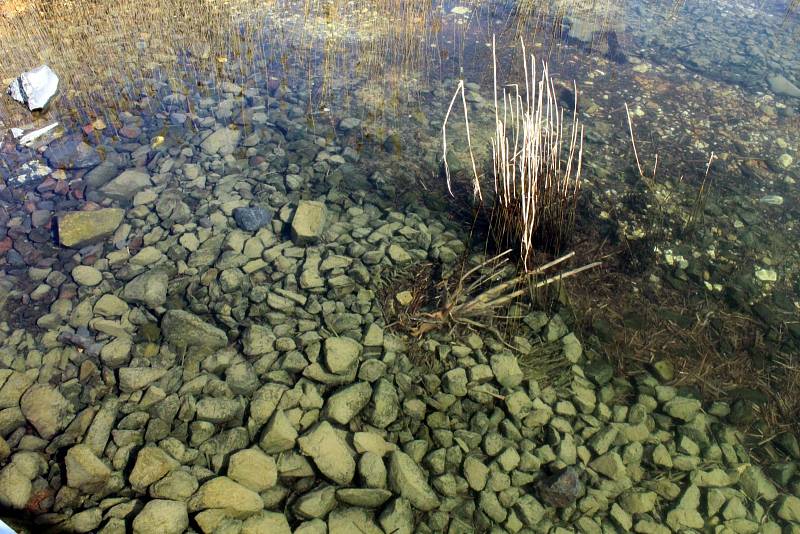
(343,103)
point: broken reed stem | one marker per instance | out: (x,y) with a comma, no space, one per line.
(633,141)
(483,304)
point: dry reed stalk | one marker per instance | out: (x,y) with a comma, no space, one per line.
(536,165)
(467,303)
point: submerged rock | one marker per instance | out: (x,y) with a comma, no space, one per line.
(224,494)
(308,222)
(71,152)
(35,88)
(185,329)
(85,471)
(46,410)
(126,185)
(251,219)
(780,85)
(167,517)
(149,288)
(77,229)
(223,139)
(561,489)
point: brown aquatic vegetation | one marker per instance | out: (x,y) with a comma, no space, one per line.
(712,348)
(117,56)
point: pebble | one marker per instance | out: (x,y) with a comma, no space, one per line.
(87,276)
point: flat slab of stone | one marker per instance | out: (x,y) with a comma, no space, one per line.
(408,479)
(85,471)
(780,85)
(186,329)
(77,229)
(126,185)
(308,222)
(222,139)
(222,493)
(149,288)
(329,452)
(71,152)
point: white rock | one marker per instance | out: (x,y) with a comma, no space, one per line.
(34,88)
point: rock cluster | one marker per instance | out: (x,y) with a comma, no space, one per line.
(213,357)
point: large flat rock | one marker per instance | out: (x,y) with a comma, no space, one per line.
(126,185)
(188,330)
(77,229)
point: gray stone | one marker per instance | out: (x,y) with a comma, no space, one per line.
(385,404)
(116,353)
(86,521)
(71,152)
(110,306)
(455,382)
(135,378)
(780,85)
(87,276)
(345,404)
(506,370)
(341,353)
(308,222)
(756,485)
(257,340)
(222,493)
(407,479)
(217,409)
(314,526)
(267,523)
(152,463)
(102,174)
(223,139)
(789,508)
(682,408)
(529,510)
(279,434)
(162,516)
(329,452)
(363,497)
(77,229)
(317,503)
(490,505)
(372,470)
(85,472)
(126,185)
(182,328)
(476,473)
(351,520)
(149,288)
(15,487)
(15,385)
(398,517)
(253,469)
(46,410)
(177,485)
